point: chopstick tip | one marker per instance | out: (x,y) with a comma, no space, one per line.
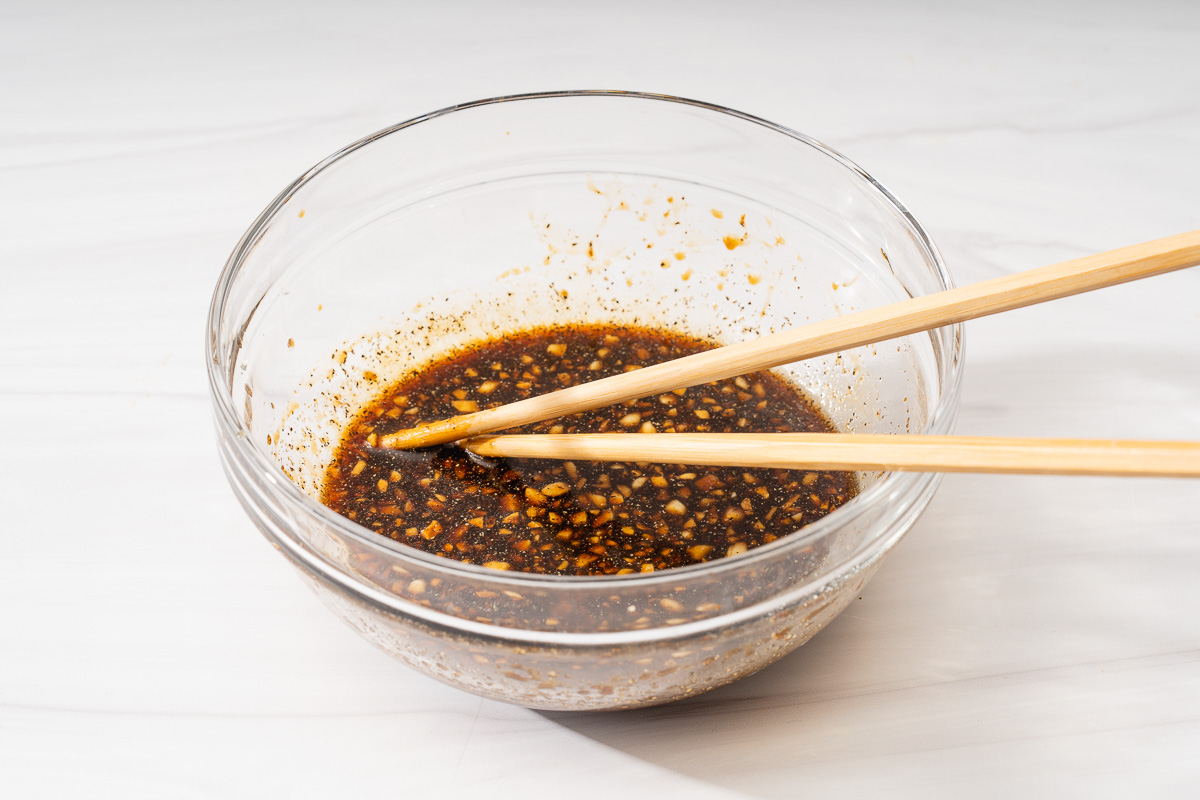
(428,434)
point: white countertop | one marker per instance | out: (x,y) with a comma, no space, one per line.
(1030,635)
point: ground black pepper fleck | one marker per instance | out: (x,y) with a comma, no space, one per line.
(578,518)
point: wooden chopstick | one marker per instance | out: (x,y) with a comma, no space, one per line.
(891,453)
(828,336)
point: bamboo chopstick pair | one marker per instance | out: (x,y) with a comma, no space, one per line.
(842,451)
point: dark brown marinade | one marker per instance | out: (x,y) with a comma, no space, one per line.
(578,518)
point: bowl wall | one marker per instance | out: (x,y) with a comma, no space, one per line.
(586,207)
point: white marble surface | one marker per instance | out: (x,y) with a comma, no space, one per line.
(1031,636)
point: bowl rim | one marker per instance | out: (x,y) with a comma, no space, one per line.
(896,484)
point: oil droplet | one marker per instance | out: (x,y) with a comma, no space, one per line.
(301,214)
(718,214)
(731,241)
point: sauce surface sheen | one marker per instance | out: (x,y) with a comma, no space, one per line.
(578,518)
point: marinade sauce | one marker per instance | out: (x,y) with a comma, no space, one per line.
(578,518)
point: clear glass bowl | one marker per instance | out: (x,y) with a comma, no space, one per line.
(569,207)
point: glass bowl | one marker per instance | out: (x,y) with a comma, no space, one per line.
(569,207)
